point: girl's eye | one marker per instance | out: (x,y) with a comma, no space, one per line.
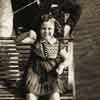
(49,28)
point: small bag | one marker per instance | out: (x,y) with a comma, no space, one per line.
(46,65)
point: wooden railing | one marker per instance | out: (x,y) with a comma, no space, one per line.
(13,59)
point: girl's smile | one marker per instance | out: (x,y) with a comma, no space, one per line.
(47,30)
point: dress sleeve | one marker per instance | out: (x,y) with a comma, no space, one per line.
(22,36)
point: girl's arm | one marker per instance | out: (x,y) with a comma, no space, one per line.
(65,63)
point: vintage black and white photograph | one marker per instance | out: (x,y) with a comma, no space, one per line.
(49,50)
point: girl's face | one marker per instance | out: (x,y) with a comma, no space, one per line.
(47,29)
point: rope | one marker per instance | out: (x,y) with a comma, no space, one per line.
(23,7)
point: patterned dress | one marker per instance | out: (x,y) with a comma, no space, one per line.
(41,76)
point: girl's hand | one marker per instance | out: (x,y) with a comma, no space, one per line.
(60,69)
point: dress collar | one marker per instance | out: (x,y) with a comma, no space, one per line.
(54,40)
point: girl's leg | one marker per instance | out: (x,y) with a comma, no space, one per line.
(30,96)
(55,96)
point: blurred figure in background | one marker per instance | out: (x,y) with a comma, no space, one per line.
(67,12)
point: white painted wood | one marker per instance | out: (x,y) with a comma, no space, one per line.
(6,18)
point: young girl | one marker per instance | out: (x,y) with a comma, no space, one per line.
(49,58)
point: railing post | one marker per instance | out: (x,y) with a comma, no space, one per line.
(6,18)
(71,75)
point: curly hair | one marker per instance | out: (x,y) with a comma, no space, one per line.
(50,17)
